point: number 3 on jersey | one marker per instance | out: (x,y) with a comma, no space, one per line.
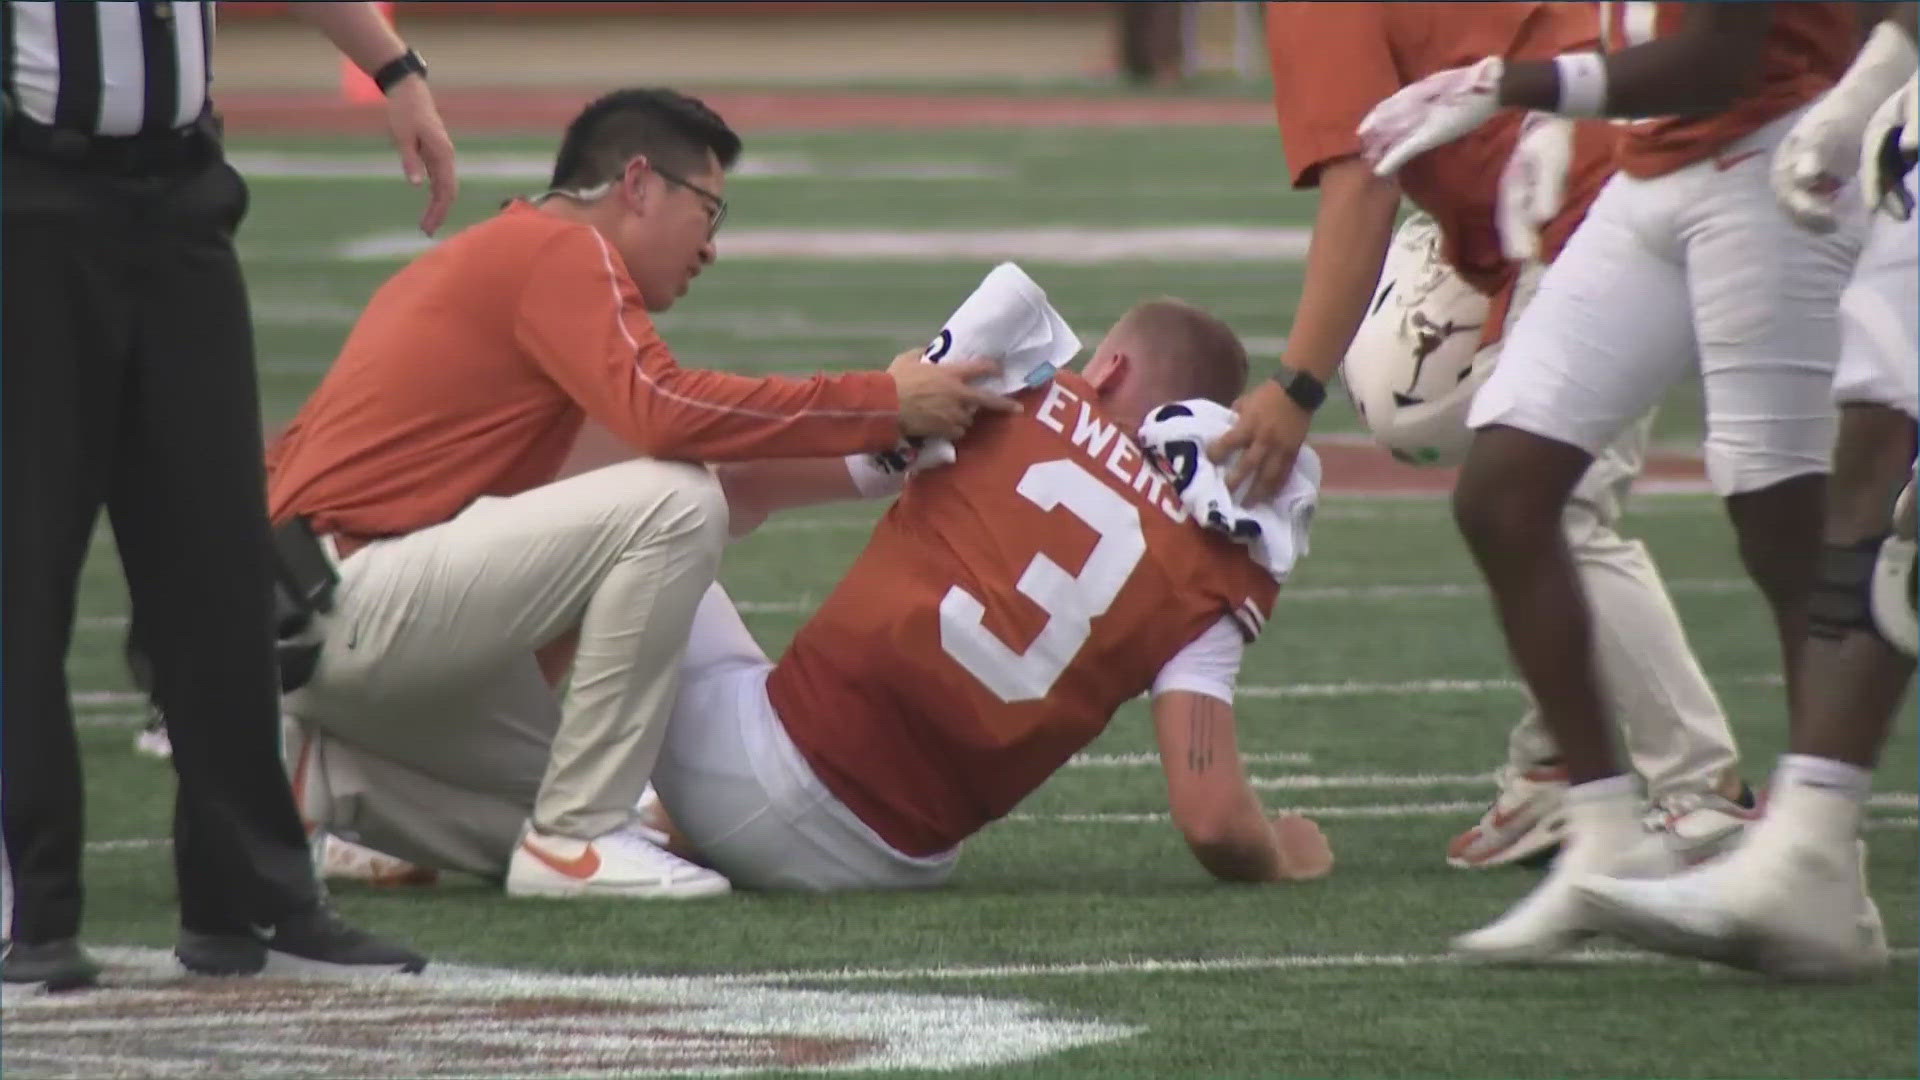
(1071,601)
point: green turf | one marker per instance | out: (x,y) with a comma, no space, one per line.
(1040,891)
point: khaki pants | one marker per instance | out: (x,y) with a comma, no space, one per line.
(428,663)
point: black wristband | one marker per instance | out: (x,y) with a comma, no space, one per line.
(1305,390)
(407,63)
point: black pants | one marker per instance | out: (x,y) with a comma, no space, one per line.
(127,380)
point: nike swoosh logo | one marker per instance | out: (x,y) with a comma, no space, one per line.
(580,867)
(1722,164)
(1501,821)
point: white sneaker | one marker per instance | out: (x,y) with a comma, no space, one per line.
(1526,823)
(343,860)
(1604,835)
(1700,827)
(624,862)
(1798,911)
(153,740)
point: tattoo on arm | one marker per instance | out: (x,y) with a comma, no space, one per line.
(1200,740)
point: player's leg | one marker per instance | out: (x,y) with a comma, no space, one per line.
(1673,730)
(1793,900)
(1675,735)
(738,791)
(1766,312)
(1604,337)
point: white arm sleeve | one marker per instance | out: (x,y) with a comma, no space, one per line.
(1208,665)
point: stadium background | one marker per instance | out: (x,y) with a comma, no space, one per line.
(894,153)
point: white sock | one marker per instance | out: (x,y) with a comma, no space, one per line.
(1605,819)
(1818,797)
(1843,779)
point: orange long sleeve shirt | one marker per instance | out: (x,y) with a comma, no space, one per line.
(472,369)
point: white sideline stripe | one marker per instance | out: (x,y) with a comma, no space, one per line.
(1426,590)
(1149,966)
(1380,810)
(1078,247)
(1423,687)
(113,699)
(508,166)
(1336,781)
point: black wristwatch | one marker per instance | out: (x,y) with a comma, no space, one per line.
(407,63)
(1305,390)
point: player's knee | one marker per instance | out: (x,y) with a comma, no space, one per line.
(1496,505)
(1865,587)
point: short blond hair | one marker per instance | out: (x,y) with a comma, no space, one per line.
(1186,350)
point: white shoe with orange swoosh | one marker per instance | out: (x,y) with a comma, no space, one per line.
(625,862)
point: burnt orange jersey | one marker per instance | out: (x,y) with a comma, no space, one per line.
(1333,62)
(1005,607)
(1807,49)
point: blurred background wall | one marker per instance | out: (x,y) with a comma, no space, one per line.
(897,44)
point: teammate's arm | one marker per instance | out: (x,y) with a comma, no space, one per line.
(1352,229)
(1701,69)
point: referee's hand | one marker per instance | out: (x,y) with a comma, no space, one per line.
(426,151)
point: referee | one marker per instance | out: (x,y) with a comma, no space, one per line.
(127,380)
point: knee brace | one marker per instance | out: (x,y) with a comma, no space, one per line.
(1866,587)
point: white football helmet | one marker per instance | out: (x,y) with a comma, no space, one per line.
(1891,598)
(1415,363)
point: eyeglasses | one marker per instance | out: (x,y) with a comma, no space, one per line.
(716,206)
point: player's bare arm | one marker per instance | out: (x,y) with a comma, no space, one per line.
(1702,69)
(1214,806)
(1351,232)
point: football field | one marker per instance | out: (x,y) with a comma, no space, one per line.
(1078,939)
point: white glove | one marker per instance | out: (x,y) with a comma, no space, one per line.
(1883,168)
(1823,149)
(1432,112)
(1533,185)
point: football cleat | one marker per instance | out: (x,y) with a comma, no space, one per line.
(1795,912)
(1525,825)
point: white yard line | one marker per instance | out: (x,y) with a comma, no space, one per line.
(534,167)
(1097,761)
(1070,246)
(1433,590)
(1150,966)
(1884,801)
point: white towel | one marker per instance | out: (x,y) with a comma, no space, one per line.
(1179,433)
(1009,319)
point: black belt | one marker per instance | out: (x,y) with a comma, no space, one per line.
(158,152)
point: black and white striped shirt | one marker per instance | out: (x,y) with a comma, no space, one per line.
(115,68)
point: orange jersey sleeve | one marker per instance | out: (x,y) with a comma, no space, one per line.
(580,318)
(1333,62)
(469,373)
(1808,46)
(1005,607)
